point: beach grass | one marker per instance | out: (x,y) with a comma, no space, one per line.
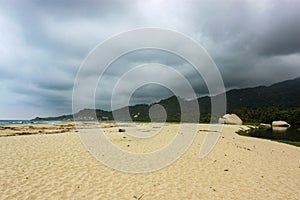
(294,143)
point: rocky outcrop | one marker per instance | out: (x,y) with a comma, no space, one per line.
(230,119)
(262,125)
(280,124)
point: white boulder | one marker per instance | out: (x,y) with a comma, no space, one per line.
(280,124)
(265,125)
(231,119)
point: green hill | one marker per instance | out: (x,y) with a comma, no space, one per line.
(257,104)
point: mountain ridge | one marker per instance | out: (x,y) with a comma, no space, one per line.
(283,95)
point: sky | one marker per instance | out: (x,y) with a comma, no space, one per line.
(43,44)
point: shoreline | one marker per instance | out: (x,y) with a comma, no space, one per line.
(8,130)
(33,129)
(256,129)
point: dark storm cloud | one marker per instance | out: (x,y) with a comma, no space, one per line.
(43,43)
(282,36)
(252,43)
(266,28)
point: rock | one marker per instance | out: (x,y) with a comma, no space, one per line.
(121,130)
(280,124)
(230,119)
(221,120)
(265,125)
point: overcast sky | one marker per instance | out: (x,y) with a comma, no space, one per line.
(43,43)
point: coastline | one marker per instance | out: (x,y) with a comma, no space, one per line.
(268,134)
(32,129)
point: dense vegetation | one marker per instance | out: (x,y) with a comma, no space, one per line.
(269,114)
(261,104)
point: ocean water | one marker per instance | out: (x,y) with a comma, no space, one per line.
(6,122)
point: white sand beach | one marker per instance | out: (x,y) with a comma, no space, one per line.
(57,166)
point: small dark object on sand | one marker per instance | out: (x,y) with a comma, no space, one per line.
(138,198)
(121,130)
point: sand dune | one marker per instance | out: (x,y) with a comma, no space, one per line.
(57,166)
